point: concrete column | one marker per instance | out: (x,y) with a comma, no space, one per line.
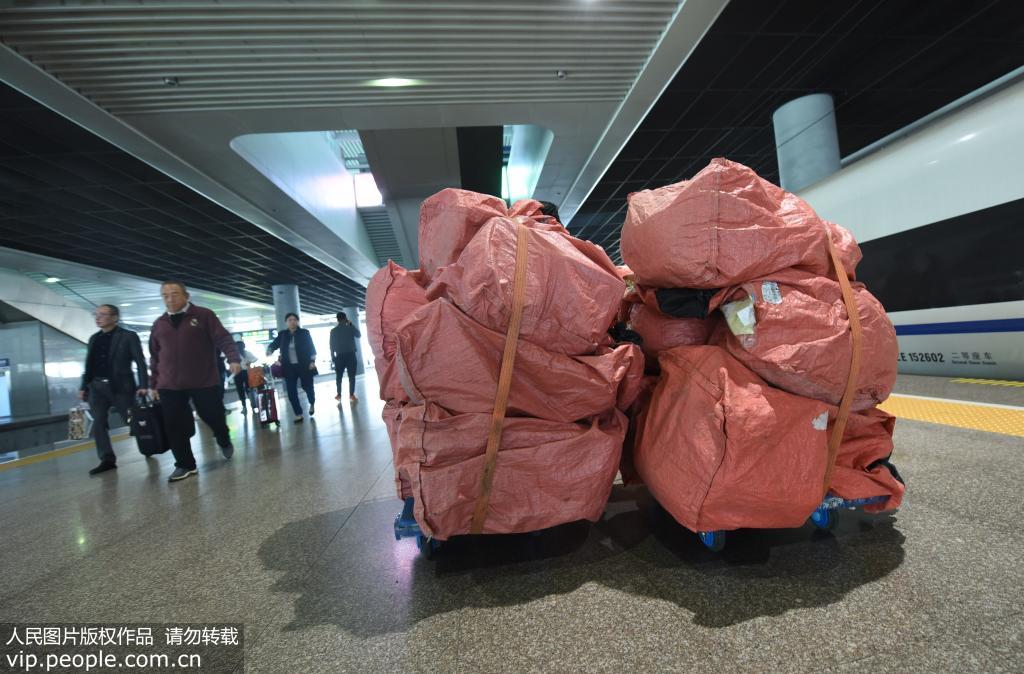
(805,141)
(286,301)
(353,315)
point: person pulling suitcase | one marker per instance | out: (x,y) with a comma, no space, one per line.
(183,345)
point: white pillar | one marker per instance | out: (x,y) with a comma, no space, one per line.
(286,301)
(805,141)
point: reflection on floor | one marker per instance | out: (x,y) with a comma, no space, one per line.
(293,538)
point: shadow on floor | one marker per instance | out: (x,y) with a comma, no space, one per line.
(368,584)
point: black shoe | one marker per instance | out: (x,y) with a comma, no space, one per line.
(103,467)
(298,419)
(310,409)
(227,450)
(181,474)
(245,410)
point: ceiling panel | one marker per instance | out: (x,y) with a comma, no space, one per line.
(886,63)
(235,55)
(66,194)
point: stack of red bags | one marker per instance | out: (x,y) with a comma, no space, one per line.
(438,336)
(736,431)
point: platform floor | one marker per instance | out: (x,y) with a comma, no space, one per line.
(293,538)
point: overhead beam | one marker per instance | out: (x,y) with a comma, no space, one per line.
(39,85)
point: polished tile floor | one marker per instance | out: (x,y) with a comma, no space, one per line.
(293,538)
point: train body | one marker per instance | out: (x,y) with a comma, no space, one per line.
(939,215)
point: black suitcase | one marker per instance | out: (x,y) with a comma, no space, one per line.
(147,425)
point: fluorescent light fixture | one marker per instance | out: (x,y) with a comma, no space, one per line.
(126,304)
(52,279)
(153,308)
(394,82)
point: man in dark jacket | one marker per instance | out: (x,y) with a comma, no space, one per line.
(108,380)
(183,349)
(343,353)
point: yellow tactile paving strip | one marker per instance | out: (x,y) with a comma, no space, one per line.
(979,417)
(55,454)
(989,382)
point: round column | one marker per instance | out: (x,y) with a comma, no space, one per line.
(805,141)
(286,301)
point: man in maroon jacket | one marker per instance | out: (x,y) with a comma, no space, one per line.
(183,351)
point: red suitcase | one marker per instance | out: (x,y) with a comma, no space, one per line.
(266,399)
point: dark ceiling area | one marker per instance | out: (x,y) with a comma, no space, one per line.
(887,63)
(68,194)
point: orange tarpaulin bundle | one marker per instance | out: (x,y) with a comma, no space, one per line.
(392,294)
(572,291)
(447,358)
(448,221)
(451,218)
(547,472)
(392,415)
(725,226)
(661,332)
(507,412)
(784,345)
(862,469)
(799,337)
(720,449)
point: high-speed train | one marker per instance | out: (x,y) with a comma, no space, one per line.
(939,216)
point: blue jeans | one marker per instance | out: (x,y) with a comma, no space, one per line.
(292,375)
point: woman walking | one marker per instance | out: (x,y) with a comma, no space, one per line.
(242,378)
(298,356)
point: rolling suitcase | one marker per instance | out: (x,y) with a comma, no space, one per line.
(147,425)
(266,397)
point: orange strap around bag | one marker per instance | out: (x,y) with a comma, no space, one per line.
(851,382)
(508,359)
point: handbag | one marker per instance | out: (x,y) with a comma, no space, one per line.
(79,422)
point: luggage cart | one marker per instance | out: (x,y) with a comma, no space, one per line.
(824,517)
(406,527)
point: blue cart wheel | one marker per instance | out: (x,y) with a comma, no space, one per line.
(824,519)
(427,546)
(712,540)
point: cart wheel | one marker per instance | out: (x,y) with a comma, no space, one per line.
(428,546)
(824,519)
(712,540)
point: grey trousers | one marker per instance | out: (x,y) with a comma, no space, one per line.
(102,398)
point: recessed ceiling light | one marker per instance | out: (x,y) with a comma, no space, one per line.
(52,279)
(171,81)
(394,82)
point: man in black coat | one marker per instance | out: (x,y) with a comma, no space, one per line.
(343,352)
(108,380)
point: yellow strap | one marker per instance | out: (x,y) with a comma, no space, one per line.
(851,381)
(508,360)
